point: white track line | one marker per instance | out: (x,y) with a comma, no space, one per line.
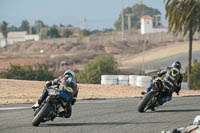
(80,102)
(13,108)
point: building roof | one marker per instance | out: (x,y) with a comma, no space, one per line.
(146,17)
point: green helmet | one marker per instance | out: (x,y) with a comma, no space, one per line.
(69,72)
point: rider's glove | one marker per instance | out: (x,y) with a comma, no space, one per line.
(73,101)
(177,89)
(48,84)
(158,74)
(177,92)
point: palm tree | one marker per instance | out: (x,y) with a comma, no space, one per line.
(184,17)
(4,30)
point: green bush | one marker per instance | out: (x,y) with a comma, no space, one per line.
(92,72)
(85,32)
(67,33)
(194,76)
(53,33)
(27,72)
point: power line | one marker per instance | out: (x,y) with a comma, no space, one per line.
(129,15)
(122,26)
(84,22)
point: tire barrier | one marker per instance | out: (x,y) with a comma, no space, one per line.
(123,80)
(133,80)
(109,79)
(109,82)
(143,81)
(123,77)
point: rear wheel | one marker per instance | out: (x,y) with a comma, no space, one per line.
(144,103)
(44,112)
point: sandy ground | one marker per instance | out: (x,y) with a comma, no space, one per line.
(161,52)
(19,91)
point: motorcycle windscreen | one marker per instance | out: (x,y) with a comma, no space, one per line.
(64,96)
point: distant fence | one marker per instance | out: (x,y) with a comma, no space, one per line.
(161,37)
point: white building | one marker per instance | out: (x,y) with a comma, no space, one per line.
(147,26)
(19,36)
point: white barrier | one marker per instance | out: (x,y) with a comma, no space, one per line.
(132,80)
(123,80)
(109,79)
(143,81)
(109,82)
(123,77)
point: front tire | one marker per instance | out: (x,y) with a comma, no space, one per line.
(146,99)
(42,114)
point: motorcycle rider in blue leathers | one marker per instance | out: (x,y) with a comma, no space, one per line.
(66,83)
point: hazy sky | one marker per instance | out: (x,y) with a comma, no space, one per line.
(100,14)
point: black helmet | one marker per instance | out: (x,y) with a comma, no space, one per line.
(176,64)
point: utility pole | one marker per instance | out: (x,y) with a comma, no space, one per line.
(142,8)
(143,51)
(156,19)
(122,26)
(30,28)
(84,23)
(129,20)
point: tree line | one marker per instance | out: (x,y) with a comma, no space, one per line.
(26,26)
(136,12)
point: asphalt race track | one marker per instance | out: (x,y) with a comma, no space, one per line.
(104,116)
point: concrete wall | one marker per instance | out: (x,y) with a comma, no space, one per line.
(162,37)
(14,37)
(32,37)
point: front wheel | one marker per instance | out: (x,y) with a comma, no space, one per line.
(143,105)
(44,112)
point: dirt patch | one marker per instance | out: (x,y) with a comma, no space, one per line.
(73,51)
(160,52)
(20,91)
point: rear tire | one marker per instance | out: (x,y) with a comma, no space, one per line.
(42,114)
(143,103)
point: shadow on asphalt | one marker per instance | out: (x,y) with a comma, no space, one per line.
(97,123)
(179,110)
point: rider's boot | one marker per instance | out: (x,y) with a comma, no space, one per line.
(165,99)
(155,105)
(42,97)
(147,90)
(160,102)
(67,113)
(144,92)
(36,105)
(152,108)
